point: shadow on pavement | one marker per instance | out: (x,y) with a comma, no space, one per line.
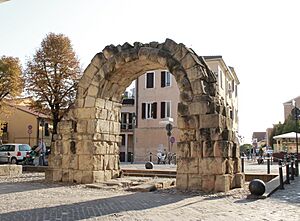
(6,188)
(95,208)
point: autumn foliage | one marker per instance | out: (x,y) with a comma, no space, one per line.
(11,81)
(52,75)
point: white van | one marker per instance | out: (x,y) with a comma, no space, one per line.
(13,153)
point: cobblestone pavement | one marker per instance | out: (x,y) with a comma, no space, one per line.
(28,197)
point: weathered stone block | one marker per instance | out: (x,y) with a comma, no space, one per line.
(182,165)
(182,181)
(238,180)
(89,72)
(183,109)
(223,183)
(198,87)
(196,72)
(183,149)
(92,92)
(89,101)
(194,182)
(101,113)
(187,135)
(87,176)
(187,122)
(85,113)
(196,149)
(79,102)
(53,175)
(222,148)
(65,175)
(65,161)
(108,105)
(81,126)
(91,126)
(107,175)
(193,165)
(229,166)
(85,162)
(237,165)
(98,176)
(208,183)
(77,176)
(211,121)
(55,160)
(10,170)
(212,166)
(102,126)
(208,148)
(197,108)
(100,103)
(190,60)
(100,148)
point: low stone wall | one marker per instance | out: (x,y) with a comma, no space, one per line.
(10,170)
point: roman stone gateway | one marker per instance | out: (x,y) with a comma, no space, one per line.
(86,149)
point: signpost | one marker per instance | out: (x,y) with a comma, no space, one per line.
(29,131)
(169,128)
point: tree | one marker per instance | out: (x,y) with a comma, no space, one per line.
(52,76)
(11,81)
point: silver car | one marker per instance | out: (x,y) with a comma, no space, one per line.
(13,153)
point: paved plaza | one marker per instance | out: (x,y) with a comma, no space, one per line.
(28,197)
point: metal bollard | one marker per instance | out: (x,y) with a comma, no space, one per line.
(150,157)
(243,165)
(280,175)
(268,165)
(292,168)
(297,166)
(287,165)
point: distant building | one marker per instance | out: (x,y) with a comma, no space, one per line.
(23,125)
(286,142)
(156,100)
(259,139)
(288,106)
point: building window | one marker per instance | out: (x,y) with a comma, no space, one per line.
(126,120)
(150,80)
(130,118)
(221,78)
(123,139)
(165,79)
(165,109)
(123,120)
(149,110)
(236,93)
(47,132)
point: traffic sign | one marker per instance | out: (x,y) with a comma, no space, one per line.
(172,139)
(29,131)
(169,127)
(29,127)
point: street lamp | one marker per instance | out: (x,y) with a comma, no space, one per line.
(296,122)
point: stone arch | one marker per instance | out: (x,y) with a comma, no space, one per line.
(207,154)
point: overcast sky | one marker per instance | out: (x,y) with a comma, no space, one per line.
(259,38)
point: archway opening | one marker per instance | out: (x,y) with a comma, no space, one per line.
(207,155)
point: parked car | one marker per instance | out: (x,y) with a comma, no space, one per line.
(14,153)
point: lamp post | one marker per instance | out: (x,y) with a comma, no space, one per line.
(296,122)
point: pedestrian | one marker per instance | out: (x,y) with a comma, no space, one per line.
(42,151)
